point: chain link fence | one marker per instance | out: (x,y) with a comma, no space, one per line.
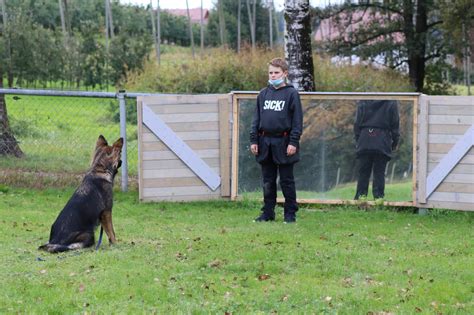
(47,138)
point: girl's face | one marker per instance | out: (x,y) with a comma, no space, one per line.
(276,73)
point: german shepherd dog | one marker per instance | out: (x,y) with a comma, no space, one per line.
(90,204)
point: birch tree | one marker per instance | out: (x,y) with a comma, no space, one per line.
(190,25)
(156,29)
(252,20)
(298,52)
(202,29)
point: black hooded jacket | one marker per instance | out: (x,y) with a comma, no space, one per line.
(376,127)
(277,122)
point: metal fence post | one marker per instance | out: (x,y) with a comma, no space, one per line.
(123,134)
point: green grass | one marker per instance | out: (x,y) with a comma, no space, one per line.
(209,257)
(397,191)
(58,134)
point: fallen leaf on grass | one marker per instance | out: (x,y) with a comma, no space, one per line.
(43,271)
(263,277)
(347,282)
(215,263)
(328,299)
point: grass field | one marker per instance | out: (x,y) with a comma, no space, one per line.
(397,191)
(58,134)
(209,257)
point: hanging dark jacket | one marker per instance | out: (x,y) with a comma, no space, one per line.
(277,122)
(376,127)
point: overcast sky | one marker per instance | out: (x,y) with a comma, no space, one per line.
(208,4)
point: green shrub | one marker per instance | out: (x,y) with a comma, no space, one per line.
(223,70)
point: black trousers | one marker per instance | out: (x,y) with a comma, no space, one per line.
(369,162)
(270,170)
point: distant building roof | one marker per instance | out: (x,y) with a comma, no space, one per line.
(329,29)
(194,13)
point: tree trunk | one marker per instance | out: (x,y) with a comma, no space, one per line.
(220,9)
(252,22)
(298,52)
(238,25)
(111,20)
(202,29)
(270,22)
(158,32)
(191,37)
(155,37)
(8,143)
(416,20)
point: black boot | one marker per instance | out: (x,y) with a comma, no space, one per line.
(267,215)
(290,216)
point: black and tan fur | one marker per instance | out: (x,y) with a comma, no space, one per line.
(90,204)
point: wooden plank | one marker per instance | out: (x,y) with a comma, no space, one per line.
(184,108)
(452,100)
(193,144)
(458,169)
(452,110)
(459,178)
(467,159)
(455,187)
(195,126)
(451,120)
(181,198)
(224,146)
(439,147)
(449,205)
(443,138)
(170,173)
(452,197)
(449,129)
(188,118)
(357,97)
(182,99)
(235,148)
(348,202)
(169,155)
(140,146)
(177,191)
(175,164)
(448,162)
(184,136)
(172,182)
(180,148)
(414,157)
(422,149)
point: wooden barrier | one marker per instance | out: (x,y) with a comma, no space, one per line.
(445,155)
(188,147)
(184,147)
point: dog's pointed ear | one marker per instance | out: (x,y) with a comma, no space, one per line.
(118,143)
(101,141)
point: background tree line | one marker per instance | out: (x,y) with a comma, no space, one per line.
(66,43)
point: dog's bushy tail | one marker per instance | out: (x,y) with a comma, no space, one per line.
(58,248)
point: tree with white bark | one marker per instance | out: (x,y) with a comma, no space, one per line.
(298,51)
